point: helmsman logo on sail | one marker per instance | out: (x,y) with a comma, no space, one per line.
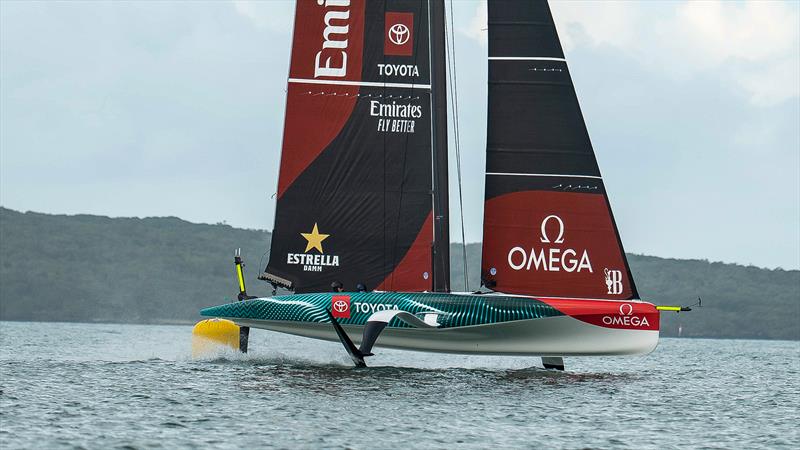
(550,257)
(312,262)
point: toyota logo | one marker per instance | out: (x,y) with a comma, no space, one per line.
(399,34)
(626,309)
(340,306)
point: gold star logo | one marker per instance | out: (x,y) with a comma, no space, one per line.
(314,239)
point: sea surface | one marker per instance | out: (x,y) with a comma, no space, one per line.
(67,385)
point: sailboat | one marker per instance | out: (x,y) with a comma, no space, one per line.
(362,196)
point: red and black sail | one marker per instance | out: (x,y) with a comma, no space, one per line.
(354,200)
(548,226)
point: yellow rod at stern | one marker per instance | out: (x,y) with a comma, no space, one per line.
(668,308)
(240,275)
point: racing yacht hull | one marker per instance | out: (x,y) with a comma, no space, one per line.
(486,324)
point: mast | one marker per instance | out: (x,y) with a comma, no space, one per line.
(441,207)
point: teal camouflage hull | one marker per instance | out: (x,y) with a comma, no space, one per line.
(464,323)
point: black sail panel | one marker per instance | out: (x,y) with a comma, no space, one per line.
(548,226)
(354,192)
(522,28)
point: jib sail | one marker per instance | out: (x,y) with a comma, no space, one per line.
(548,226)
(354,192)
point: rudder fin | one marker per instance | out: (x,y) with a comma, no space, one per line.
(553,362)
(355,354)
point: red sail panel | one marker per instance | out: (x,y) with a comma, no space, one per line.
(328,45)
(407,276)
(328,114)
(548,226)
(558,244)
(354,199)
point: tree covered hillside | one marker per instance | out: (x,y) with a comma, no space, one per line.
(155,270)
(91,268)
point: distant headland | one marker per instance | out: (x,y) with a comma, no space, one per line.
(85,268)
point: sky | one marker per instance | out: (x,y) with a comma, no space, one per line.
(176,109)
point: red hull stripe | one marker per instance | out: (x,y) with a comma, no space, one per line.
(620,315)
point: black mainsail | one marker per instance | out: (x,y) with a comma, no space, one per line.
(354,200)
(548,226)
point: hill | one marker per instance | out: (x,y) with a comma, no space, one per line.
(160,270)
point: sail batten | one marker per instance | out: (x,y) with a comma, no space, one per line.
(360,83)
(548,226)
(555,175)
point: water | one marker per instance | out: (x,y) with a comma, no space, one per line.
(101,386)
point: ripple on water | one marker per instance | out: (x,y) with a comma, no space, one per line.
(136,386)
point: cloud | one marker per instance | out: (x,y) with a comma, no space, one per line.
(754,31)
(272,15)
(754,46)
(149,108)
(597,23)
(475,28)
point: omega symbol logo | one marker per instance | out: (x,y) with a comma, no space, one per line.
(614,283)
(545,238)
(626,319)
(340,306)
(551,257)
(399,34)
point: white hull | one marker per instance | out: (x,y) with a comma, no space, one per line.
(552,336)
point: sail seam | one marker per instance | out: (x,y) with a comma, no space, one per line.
(538,150)
(360,83)
(526,58)
(517,22)
(548,83)
(543,175)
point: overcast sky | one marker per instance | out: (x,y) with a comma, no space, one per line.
(176,109)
